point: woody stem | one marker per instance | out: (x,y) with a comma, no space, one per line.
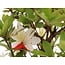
(9,45)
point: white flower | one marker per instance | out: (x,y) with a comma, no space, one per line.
(24,39)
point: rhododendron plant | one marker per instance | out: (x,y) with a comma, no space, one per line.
(38,32)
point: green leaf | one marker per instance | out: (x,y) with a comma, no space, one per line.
(39,24)
(12,40)
(44,13)
(62,35)
(1,24)
(56,17)
(62,41)
(47,12)
(48,49)
(2,44)
(62,45)
(34,56)
(57,20)
(38,52)
(4,17)
(0,32)
(21,54)
(24,19)
(30,13)
(7,24)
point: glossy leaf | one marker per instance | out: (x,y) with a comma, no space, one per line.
(1,24)
(7,24)
(0,32)
(24,20)
(62,35)
(56,17)
(62,41)
(38,52)
(62,45)
(47,48)
(44,13)
(21,54)
(30,13)
(39,24)
(57,21)
(4,17)
(47,12)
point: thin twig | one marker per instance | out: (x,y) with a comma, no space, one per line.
(53,34)
(9,45)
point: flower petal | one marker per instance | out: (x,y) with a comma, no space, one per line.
(19,26)
(29,31)
(29,47)
(14,44)
(20,46)
(27,40)
(19,36)
(32,34)
(35,40)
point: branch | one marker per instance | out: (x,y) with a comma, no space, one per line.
(12,53)
(53,34)
(9,45)
(61,29)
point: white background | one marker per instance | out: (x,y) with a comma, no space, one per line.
(32,4)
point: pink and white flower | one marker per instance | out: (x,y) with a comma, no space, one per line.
(24,39)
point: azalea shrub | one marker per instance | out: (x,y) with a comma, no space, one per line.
(38,32)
